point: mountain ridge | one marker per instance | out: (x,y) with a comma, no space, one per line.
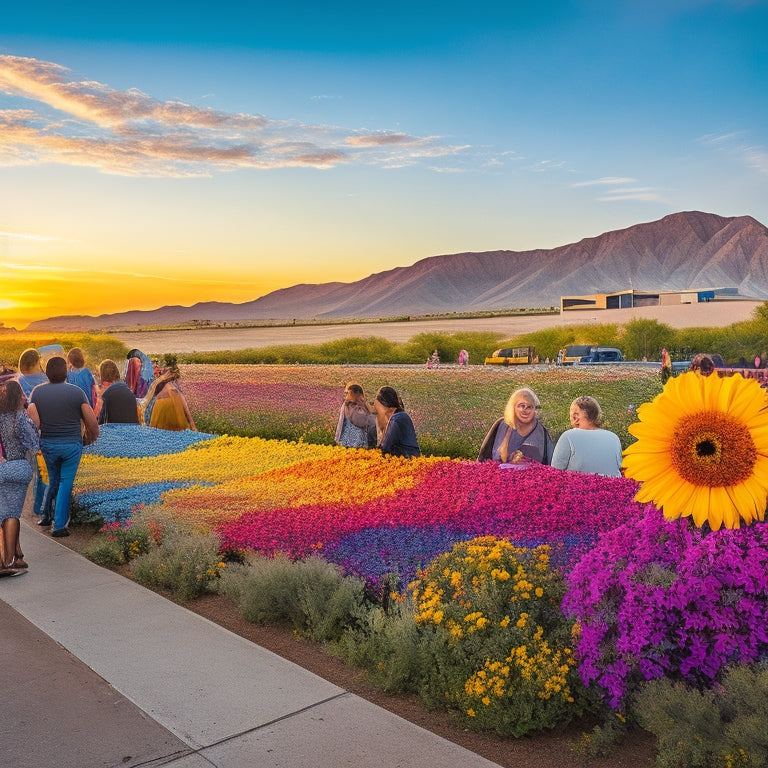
(681,251)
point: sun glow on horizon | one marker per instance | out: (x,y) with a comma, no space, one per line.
(38,291)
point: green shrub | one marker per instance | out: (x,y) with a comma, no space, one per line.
(490,613)
(311,595)
(719,728)
(602,739)
(96,347)
(117,543)
(387,645)
(106,552)
(186,564)
(358,350)
(480,632)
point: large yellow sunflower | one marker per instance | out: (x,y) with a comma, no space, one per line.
(702,450)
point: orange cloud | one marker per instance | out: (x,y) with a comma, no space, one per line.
(130,133)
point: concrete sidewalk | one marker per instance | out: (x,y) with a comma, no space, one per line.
(99,671)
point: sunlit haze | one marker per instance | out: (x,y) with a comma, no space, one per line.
(155,156)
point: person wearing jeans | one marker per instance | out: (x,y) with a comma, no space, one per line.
(66,423)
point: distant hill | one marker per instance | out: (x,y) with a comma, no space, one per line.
(689,250)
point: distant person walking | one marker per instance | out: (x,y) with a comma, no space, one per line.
(66,423)
(463,357)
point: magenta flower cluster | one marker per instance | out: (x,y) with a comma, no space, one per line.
(658,598)
(461,499)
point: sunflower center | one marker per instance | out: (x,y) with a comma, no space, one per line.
(711,448)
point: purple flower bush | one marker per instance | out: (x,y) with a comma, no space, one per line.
(656,598)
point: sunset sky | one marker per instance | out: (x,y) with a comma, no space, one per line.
(159,153)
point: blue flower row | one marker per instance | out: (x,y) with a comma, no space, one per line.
(117,505)
(137,441)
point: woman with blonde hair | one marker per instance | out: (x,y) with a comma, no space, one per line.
(165,406)
(518,435)
(356,427)
(587,447)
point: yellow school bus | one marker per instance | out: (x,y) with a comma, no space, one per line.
(513,356)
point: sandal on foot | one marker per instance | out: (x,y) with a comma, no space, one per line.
(19,562)
(6,571)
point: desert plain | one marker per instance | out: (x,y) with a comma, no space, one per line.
(712,314)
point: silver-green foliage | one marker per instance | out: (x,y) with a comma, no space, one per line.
(716,728)
(311,595)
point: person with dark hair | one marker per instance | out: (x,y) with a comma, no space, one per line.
(702,363)
(587,447)
(30,375)
(66,423)
(79,375)
(356,427)
(139,373)
(395,425)
(118,403)
(18,436)
(519,436)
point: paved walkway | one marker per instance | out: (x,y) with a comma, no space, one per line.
(99,671)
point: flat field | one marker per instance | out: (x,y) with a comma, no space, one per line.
(714,314)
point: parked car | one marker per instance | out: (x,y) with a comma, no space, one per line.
(573,353)
(512,356)
(603,355)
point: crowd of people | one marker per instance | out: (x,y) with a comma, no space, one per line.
(49,412)
(53,406)
(517,438)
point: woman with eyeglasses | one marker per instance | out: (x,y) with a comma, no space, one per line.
(518,437)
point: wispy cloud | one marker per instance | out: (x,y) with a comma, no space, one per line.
(56,272)
(28,236)
(87,123)
(643,194)
(605,181)
(757,158)
(615,189)
(736,143)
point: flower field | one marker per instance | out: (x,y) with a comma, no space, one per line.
(452,408)
(373,515)
(537,584)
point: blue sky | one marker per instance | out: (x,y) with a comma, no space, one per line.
(168,153)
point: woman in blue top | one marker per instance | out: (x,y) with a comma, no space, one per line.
(399,435)
(80,376)
(30,375)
